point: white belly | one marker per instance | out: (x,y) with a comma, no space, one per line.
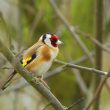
(45,66)
(42,68)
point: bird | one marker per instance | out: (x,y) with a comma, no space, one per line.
(38,58)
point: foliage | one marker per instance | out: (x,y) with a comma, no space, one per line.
(37,17)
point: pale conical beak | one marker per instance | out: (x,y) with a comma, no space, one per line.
(59,42)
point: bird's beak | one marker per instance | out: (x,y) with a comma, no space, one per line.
(59,42)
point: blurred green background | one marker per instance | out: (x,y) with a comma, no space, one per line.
(24,21)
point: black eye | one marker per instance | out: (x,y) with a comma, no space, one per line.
(53,40)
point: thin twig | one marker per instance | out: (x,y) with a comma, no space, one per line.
(107,86)
(105,48)
(99,89)
(18,86)
(99,72)
(8,79)
(46,106)
(80,81)
(62,68)
(76,103)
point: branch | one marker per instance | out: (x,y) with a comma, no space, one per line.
(99,72)
(61,68)
(7,80)
(70,65)
(104,47)
(70,29)
(98,51)
(18,86)
(75,103)
(27,75)
(99,89)
(48,75)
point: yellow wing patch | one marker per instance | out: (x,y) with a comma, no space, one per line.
(25,61)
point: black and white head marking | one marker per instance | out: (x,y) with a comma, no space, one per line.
(46,38)
(51,40)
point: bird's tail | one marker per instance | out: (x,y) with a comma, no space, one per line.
(7,81)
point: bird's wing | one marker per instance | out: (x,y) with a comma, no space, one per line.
(27,60)
(30,55)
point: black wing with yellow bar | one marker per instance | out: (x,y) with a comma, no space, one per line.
(27,60)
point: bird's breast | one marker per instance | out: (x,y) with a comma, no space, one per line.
(49,53)
(42,68)
(43,61)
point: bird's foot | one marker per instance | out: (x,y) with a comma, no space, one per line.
(40,79)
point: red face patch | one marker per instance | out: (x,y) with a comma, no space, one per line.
(54,37)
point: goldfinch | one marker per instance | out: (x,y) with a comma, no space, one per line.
(39,57)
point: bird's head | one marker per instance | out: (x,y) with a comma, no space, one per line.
(50,40)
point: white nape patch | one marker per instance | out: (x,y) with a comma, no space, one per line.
(47,40)
(48,36)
